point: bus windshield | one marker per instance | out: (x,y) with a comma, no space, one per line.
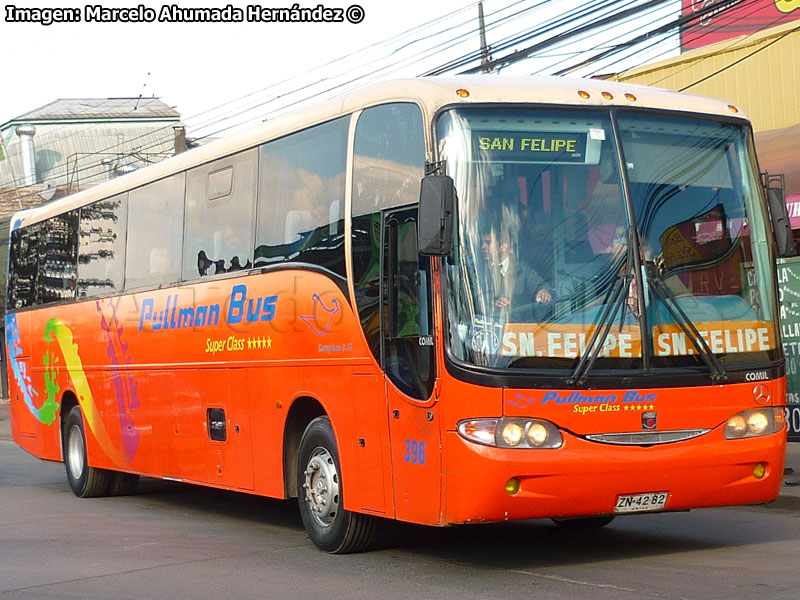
(549,272)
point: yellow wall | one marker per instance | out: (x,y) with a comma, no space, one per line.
(765,84)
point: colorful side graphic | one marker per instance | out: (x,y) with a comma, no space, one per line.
(46,413)
(124,383)
(60,346)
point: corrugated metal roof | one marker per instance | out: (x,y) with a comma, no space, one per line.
(100,108)
(73,154)
(778,153)
(759,73)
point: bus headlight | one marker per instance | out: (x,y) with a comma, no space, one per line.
(736,427)
(757,423)
(537,434)
(511,433)
(753,423)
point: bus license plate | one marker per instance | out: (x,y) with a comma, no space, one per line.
(641,502)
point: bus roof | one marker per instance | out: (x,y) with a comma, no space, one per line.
(431,93)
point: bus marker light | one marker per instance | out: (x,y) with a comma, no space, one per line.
(759,470)
(607,95)
(584,95)
(630,97)
(512,486)
(732,108)
(481,431)
(462,93)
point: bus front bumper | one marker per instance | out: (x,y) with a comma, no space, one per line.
(585,478)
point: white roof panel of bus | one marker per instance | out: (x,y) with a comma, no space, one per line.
(430,93)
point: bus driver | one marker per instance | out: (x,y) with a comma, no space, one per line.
(511,285)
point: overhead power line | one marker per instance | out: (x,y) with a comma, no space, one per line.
(604,22)
(681,21)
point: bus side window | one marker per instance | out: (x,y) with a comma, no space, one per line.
(101,251)
(300,208)
(220,208)
(23,266)
(155,232)
(388,164)
(408,338)
(57,271)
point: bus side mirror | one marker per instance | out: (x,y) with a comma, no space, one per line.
(435,221)
(780,222)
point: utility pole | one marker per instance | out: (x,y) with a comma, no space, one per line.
(484,48)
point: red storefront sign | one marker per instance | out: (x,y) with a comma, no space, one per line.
(725,19)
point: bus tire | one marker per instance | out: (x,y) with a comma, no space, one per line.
(584,523)
(85,481)
(123,484)
(332,528)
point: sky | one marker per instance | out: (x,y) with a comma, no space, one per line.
(191,66)
(222,75)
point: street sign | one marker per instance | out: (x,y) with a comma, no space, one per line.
(789,296)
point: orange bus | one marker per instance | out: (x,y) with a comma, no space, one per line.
(441,301)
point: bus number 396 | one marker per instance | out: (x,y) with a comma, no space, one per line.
(415,452)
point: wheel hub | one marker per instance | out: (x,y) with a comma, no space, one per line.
(75,452)
(322,487)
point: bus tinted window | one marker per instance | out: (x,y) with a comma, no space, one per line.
(301,198)
(220,202)
(155,233)
(388,164)
(101,253)
(22,267)
(58,257)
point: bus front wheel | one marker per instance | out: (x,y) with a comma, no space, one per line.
(332,528)
(85,481)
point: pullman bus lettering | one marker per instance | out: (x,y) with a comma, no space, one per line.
(241,308)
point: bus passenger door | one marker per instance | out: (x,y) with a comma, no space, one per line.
(409,368)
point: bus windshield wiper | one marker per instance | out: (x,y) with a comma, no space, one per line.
(614,300)
(670,301)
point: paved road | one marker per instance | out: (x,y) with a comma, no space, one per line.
(178,541)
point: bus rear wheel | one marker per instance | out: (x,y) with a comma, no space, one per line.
(85,481)
(332,528)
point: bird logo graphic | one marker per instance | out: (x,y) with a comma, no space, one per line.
(521,401)
(787,6)
(322,319)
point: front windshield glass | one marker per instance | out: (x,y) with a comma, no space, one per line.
(544,267)
(703,236)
